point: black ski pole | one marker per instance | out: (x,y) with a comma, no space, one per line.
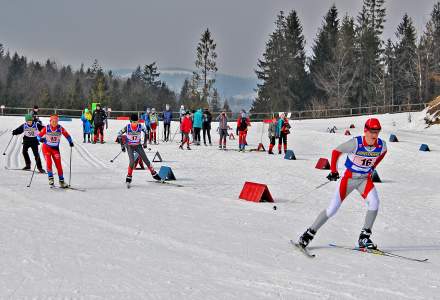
(70,166)
(32,177)
(308,192)
(4,152)
(116,156)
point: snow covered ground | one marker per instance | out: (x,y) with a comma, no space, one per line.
(199,241)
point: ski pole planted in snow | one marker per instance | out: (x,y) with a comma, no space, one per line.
(32,177)
(70,166)
(112,160)
(4,152)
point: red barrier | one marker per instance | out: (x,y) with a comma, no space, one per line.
(255,192)
(323,164)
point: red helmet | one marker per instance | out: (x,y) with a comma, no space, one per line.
(372,124)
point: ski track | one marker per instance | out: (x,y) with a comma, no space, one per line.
(201,242)
(90,157)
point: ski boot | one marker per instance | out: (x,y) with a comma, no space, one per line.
(270,152)
(51,181)
(220,147)
(306,237)
(188,148)
(26,168)
(41,170)
(128,181)
(63,185)
(279,152)
(181,147)
(155,175)
(364,241)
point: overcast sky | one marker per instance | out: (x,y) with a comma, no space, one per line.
(126,33)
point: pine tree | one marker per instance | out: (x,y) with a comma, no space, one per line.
(406,63)
(150,75)
(324,55)
(215,101)
(369,49)
(284,81)
(390,71)
(226,106)
(206,64)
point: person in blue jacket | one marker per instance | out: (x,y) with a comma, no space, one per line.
(197,125)
(86,117)
(167,117)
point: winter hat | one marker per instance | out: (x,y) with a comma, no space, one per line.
(372,124)
(148,110)
(134,118)
(28,118)
(153,110)
(182,107)
(167,107)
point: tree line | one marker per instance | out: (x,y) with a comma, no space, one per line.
(26,83)
(351,65)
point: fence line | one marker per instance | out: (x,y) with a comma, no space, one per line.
(295,115)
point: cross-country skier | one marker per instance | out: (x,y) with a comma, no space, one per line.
(186,127)
(133,132)
(364,154)
(30,130)
(50,136)
(243,122)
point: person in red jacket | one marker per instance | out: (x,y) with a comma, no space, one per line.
(50,136)
(186,127)
(243,122)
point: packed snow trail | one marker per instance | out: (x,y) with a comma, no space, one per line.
(199,241)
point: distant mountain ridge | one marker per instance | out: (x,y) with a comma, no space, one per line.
(240,91)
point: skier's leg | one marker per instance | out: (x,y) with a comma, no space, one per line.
(131,159)
(346,186)
(208,132)
(37,156)
(27,159)
(57,160)
(285,142)
(143,156)
(48,159)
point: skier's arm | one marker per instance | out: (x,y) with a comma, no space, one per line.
(382,155)
(18,130)
(346,147)
(67,136)
(39,126)
(122,131)
(41,134)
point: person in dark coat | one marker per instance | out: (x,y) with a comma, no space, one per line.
(98,119)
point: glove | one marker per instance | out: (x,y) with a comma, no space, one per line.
(71,144)
(43,140)
(333,176)
(123,149)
